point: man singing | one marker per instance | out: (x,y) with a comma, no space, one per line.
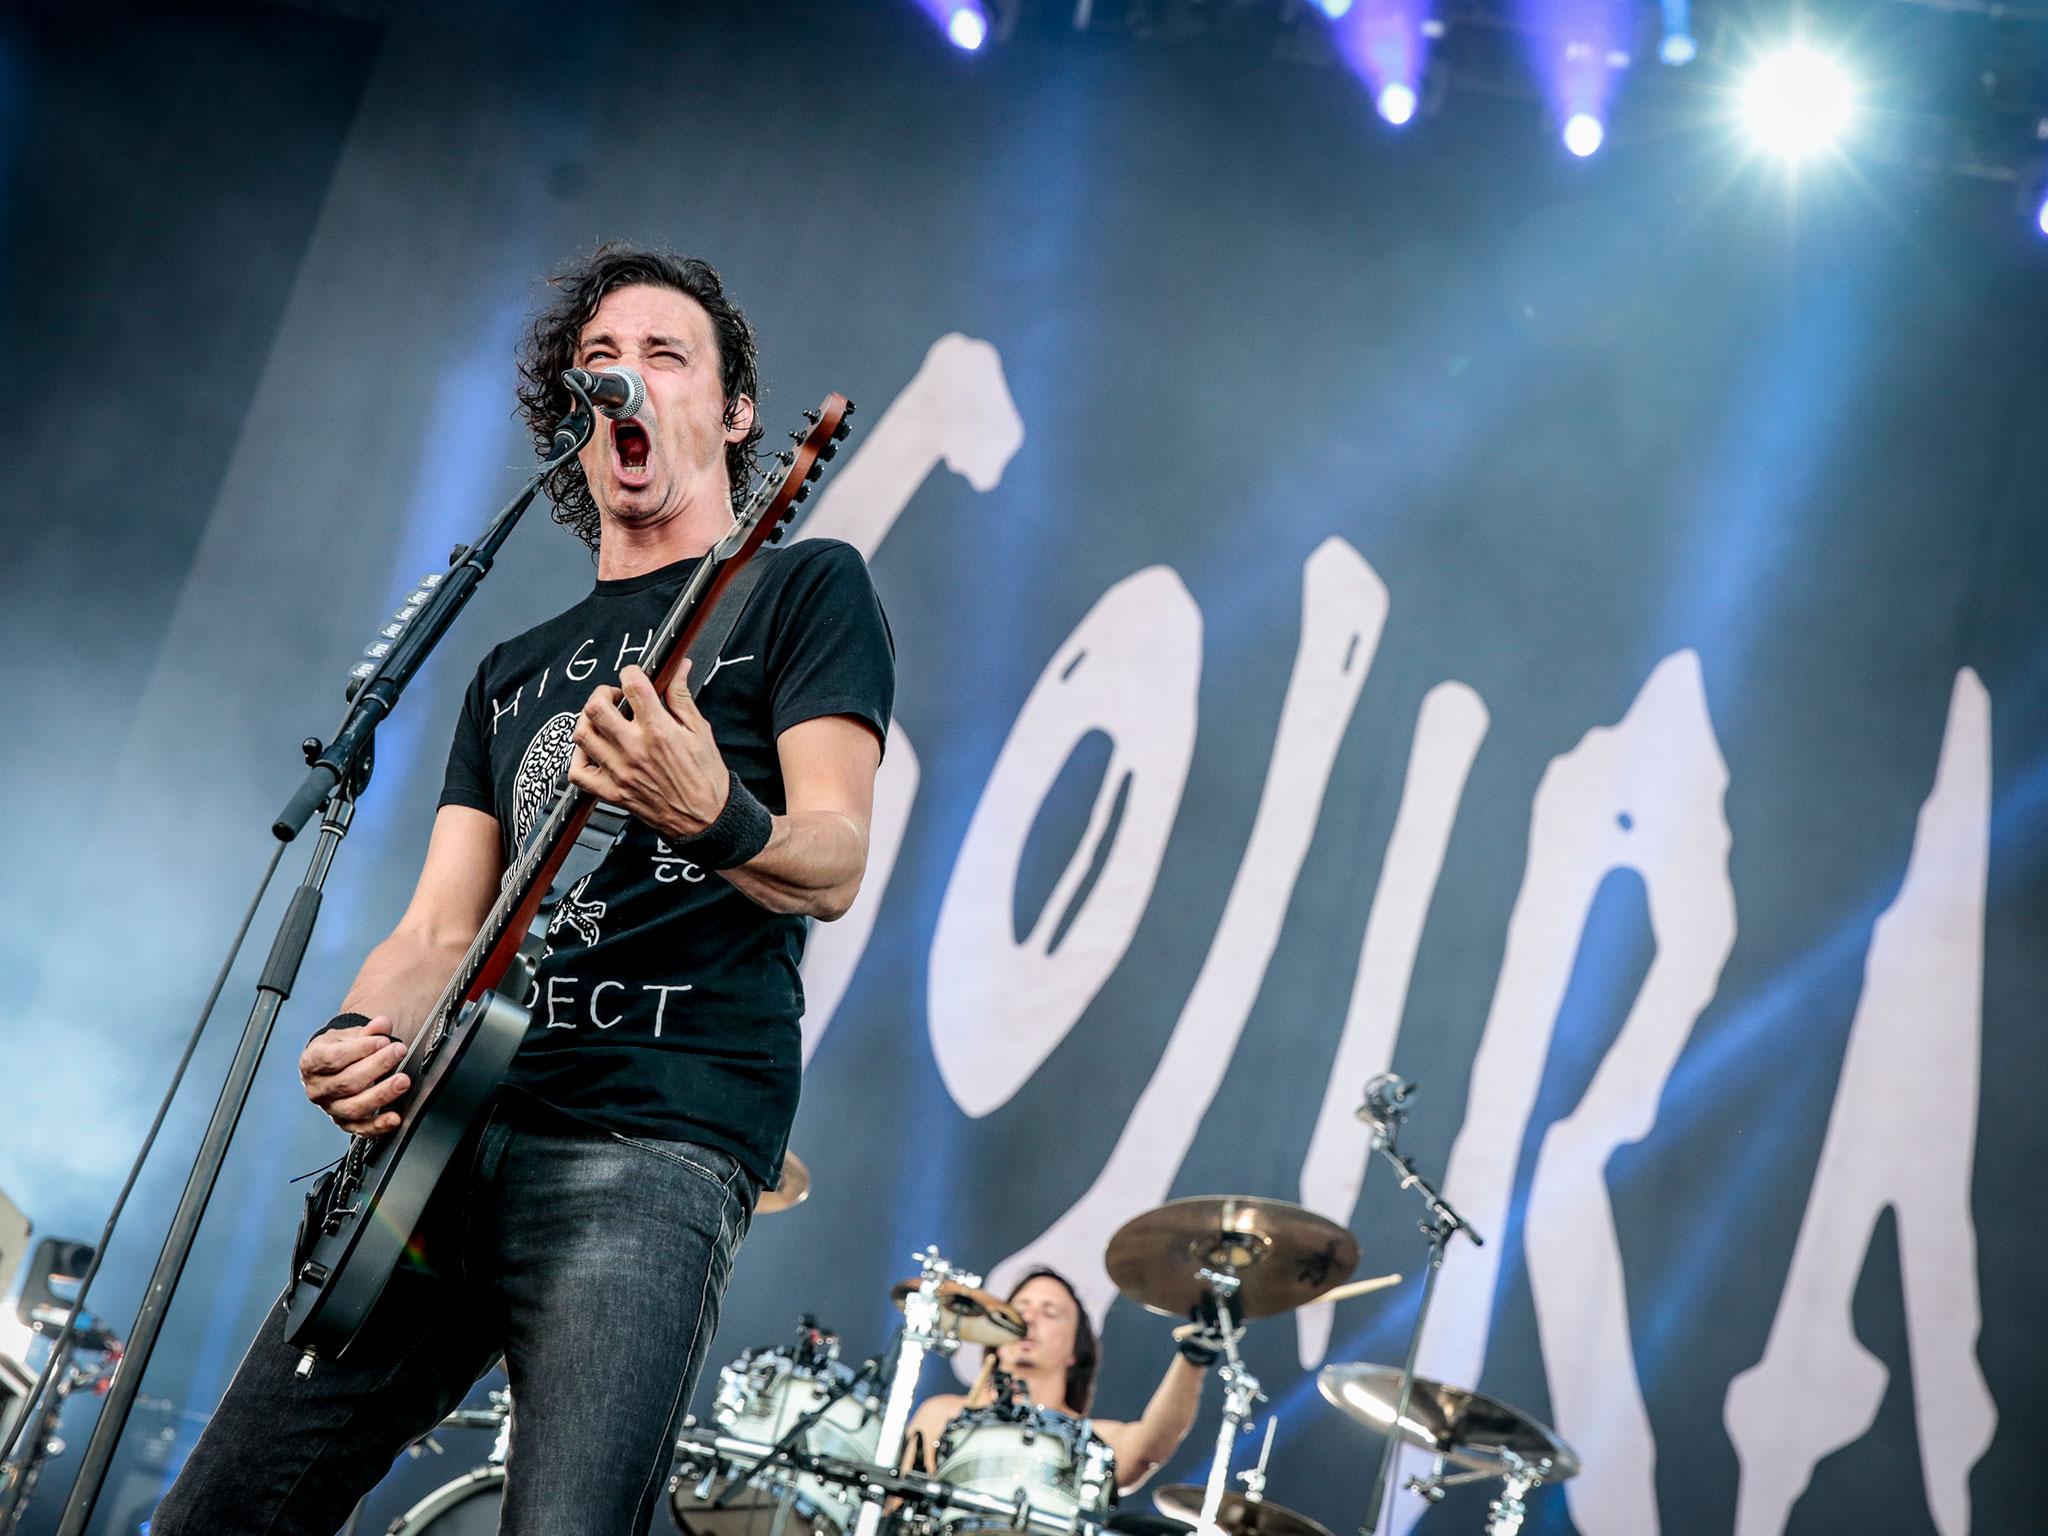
(587,1232)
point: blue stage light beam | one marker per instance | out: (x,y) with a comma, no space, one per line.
(1384,43)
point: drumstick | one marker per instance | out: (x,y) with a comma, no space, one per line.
(1358,1288)
(1335,1293)
(979,1394)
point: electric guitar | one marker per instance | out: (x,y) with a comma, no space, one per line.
(361,1215)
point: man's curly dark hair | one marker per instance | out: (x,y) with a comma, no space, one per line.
(550,347)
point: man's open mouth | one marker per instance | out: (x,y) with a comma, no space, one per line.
(630,446)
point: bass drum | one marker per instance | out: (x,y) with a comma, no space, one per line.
(466,1507)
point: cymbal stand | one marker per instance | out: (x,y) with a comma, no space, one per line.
(924,1331)
(1240,1388)
(1384,1111)
(1505,1514)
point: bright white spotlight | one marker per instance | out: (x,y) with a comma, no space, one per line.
(1678,49)
(967,27)
(1334,9)
(1584,133)
(1397,102)
(2041,215)
(1798,102)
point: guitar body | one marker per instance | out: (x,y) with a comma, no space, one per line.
(346,1256)
(364,1212)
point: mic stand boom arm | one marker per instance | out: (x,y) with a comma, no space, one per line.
(337,777)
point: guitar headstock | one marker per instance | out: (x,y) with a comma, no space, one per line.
(784,487)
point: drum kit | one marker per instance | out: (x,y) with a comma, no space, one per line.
(800,1443)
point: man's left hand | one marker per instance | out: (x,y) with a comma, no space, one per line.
(661,765)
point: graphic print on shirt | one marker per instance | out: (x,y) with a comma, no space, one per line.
(534,785)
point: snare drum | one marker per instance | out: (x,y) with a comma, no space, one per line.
(1053,1463)
(760,1395)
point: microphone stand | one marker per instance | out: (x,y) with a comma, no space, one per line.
(336,776)
(1385,1113)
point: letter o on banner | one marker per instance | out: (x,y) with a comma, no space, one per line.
(1132,670)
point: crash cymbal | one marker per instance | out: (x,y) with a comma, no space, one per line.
(974,1317)
(1460,1426)
(792,1188)
(1237,1515)
(1284,1254)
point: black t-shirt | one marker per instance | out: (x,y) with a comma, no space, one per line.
(667,1004)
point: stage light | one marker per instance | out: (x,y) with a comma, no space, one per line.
(1798,102)
(1397,102)
(1584,134)
(967,27)
(1678,47)
(1334,9)
(2041,215)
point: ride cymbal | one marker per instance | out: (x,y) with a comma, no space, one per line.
(1460,1426)
(1283,1255)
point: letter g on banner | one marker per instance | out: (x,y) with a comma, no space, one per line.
(999,1007)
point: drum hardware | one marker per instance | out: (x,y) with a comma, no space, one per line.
(1053,1469)
(1241,1514)
(1384,1110)
(1483,1437)
(792,1405)
(941,1307)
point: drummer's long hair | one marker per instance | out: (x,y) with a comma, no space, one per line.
(1087,1354)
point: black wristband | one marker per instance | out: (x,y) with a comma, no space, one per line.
(1200,1355)
(741,831)
(342,1021)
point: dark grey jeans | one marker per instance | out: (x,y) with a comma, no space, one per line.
(594,1264)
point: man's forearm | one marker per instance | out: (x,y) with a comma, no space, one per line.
(402,978)
(812,865)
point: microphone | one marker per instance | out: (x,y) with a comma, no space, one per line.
(619,392)
(1386,1099)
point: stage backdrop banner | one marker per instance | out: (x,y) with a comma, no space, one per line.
(1568,633)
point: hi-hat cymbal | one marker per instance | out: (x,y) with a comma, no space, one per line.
(1236,1515)
(1460,1426)
(793,1188)
(1283,1254)
(974,1317)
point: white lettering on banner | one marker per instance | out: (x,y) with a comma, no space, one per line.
(957,410)
(1447,736)
(1344,607)
(1902,1134)
(998,1007)
(1673,830)
(1646,795)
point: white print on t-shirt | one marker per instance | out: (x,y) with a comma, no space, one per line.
(577,914)
(533,786)
(670,866)
(568,1007)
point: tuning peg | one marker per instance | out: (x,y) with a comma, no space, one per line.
(797,437)
(811,417)
(788,513)
(825,453)
(785,458)
(774,535)
(801,492)
(844,430)
(817,468)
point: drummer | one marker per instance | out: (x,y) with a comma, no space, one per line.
(1056,1362)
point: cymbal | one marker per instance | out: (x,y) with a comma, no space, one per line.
(1460,1426)
(974,1317)
(1285,1255)
(792,1188)
(1237,1515)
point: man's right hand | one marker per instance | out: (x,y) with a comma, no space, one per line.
(351,1073)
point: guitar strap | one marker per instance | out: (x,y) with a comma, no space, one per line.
(607,823)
